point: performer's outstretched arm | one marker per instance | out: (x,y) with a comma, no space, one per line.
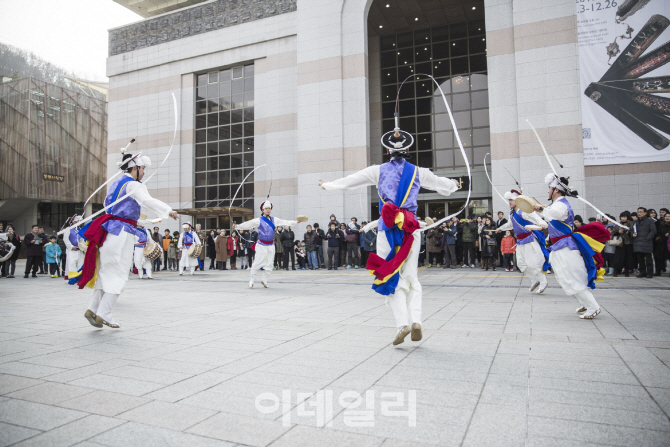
(283,223)
(441,185)
(141,194)
(249,224)
(535,218)
(367,177)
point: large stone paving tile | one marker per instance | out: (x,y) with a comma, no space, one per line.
(133,434)
(167,415)
(104,403)
(240,429)
(34,415)
(11,434)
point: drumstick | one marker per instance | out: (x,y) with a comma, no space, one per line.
(538,202)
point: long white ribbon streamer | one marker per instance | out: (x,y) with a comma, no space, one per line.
(546,154)
(491,181)
(89,218)
(465,157)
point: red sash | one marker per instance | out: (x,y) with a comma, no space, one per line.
(522,236)
(253,247)
(556,239)
(95,235)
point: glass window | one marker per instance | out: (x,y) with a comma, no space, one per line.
(227,99)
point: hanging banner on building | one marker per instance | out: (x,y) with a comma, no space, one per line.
(624,50)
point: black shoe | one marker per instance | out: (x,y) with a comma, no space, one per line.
(26,275)
(335,268)
(292,268)
(650,276)
(34,275)
(640,276)
(330,268)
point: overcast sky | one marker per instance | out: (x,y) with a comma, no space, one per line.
(68,33)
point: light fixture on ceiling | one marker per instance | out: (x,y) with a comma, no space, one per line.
(388,6)
(474,7)
(416,19)
(381,26)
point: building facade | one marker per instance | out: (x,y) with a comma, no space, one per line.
(53,152)
(307,87)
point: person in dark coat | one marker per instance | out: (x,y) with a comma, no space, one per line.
(287,241)
(10,264)
(279,250)
(370,241)
(320,237)
(334,236)
(343,245)
(34,244)
(211,249)
(352,235)
(489,244)
(661,254)
(310,238)
(643,242)
(623,255)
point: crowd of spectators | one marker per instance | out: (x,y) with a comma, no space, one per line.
(640,249)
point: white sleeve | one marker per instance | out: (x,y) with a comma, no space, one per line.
(442,185)
(141,194)
(556,211)
(196,239)
(367,177)
(371,225)
(249,224)
(508,226)
(180,243)
(535,218)
(284,223)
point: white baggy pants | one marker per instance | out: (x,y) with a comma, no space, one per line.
(116,258)
(571,274)
(265,255)
(530,259)
(406,301)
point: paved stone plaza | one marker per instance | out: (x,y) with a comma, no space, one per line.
(497,366)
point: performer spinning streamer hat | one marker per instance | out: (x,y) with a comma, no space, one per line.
(265,246)
(395,264)
(111,239)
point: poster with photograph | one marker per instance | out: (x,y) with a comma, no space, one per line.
(624,50)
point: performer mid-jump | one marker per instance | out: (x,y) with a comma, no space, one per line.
(531,251)
(398,182)
(265,246)
(575,254)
